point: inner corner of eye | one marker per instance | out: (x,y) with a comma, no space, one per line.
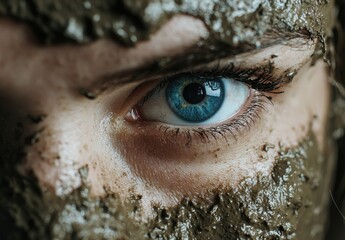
(137,98)
(193,101)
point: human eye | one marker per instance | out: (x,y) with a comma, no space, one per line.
(194,100)
(221,100)
(180,128)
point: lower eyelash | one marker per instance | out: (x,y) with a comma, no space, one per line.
(242,123)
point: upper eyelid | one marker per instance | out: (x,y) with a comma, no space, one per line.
(275,77)
(221,67)
(270,78)
(208,69)
(241,59)
(107,83)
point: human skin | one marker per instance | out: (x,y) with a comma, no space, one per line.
(77,131)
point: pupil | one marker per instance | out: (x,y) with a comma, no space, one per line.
(194,93)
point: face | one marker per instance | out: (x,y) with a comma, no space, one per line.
(174,130)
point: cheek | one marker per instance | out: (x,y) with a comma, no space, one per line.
(292,201)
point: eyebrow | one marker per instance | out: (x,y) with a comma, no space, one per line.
(195,56)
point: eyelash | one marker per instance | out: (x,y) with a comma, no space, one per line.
(260,79)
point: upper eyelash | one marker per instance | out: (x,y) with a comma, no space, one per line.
(261,78)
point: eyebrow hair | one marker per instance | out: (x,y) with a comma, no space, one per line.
(194,56)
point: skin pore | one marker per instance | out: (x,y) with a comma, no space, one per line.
(75,168)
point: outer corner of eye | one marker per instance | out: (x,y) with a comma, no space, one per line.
(190,100)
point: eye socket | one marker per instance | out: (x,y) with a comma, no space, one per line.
(193,100)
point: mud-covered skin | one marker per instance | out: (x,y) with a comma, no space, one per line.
(129,21)
(29,212)
(291,203)
(251,211)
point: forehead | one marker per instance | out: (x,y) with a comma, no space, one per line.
(129,21)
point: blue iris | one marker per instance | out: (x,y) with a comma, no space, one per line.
(195,99)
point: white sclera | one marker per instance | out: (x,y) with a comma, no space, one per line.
(157,109)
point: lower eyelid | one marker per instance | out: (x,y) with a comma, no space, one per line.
(227,131)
